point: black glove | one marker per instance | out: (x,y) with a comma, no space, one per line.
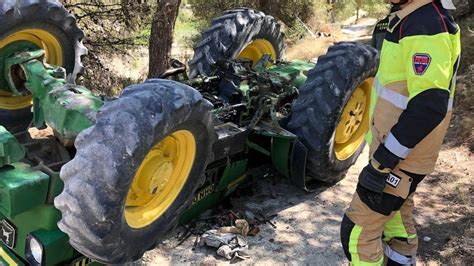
(372,179)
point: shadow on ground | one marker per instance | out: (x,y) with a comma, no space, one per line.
(307,225)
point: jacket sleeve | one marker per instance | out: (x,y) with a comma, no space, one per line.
(429,70)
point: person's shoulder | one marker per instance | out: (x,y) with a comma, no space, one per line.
(430,19)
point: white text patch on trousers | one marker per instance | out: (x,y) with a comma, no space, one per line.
(393,180)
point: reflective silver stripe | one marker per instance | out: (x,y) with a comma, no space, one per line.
(393,145)
(396,98)
(455,73)
(397,257)
(391,96)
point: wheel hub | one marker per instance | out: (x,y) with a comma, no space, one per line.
(354,122)
(160,178)
(158,182)
(352,116)
(256,49)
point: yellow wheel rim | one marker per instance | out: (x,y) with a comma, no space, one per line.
(256,49)
(160,178)
(54,55)
(354,122)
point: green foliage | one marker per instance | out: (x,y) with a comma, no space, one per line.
(112,23)
(345,9)
(287,11)
(291,12)
(187,28)
(295,33)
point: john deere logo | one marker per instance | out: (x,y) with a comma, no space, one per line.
(8,234)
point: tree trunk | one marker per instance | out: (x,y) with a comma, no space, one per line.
(332,10)
(359,4)
(161,37)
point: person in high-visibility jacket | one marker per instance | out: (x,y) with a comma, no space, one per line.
(412,102)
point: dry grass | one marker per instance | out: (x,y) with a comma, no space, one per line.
(309,48)
(107,72)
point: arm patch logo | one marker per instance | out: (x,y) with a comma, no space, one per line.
(421,62)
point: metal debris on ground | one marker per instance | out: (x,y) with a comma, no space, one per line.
(241,227)
(263,219)
(230,245)
(227,230)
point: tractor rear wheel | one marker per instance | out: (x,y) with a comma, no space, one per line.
(241,33)
(37,24)
(331,115)
(136,170)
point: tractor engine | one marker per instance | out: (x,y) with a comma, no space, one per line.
(244,94)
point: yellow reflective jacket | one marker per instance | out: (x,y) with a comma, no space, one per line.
(414,87)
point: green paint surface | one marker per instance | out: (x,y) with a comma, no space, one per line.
(56,246)
(233,175)
(7,257)
(43,217)
(65,108)
(11,150)
(294,71)
(9,51)
(21,189)
(23,193)
(68,109)
(281,149)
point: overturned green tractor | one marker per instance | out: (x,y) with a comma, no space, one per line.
(86,180)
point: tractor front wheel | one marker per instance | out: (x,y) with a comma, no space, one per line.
(331,115)
(136,171)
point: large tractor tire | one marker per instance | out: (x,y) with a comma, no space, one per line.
(240,33)
(33,24)
(331,115)
(136,170)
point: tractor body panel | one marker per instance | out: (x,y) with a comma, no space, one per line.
(68,109)
(8,258)
(17,181)
(294,71)
(26,212)
(222,179)
(11,150)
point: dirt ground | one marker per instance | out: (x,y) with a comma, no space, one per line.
(307,224)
